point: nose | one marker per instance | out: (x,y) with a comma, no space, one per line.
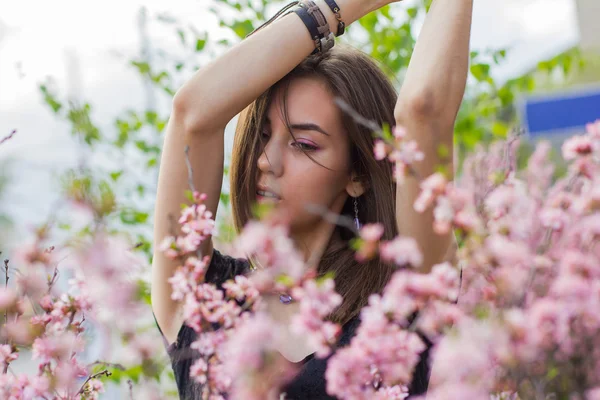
(270,160)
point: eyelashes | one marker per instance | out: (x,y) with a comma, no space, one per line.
(304,146)
(297,145)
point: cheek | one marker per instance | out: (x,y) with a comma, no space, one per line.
(307,181)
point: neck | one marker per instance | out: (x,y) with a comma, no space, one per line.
(312,244)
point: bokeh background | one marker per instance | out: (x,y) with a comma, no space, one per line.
(88,86)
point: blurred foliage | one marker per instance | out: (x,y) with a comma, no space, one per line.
(388,35)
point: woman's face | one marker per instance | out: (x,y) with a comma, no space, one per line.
(287,172)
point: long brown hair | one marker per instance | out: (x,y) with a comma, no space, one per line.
(355,78)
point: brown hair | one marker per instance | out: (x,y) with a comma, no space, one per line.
(355,78)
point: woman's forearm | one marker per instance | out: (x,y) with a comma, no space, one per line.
(437,74)
(223,88)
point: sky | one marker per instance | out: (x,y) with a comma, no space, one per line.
(47,38)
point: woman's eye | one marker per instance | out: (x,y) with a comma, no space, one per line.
(304,146)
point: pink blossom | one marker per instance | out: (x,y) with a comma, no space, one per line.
(402,251)
(443,215)
(554,218)
(270,247)
(431,187)
(371,232)
(247,358)
(370,235)
(387,356)
(399,132)
(57,347)
(577,146)
(316,302)
(169,246)
(475,372)
(8,299)
(397,392)
(199,370)
(93,388)
(241,288)
(209,342)
(7,355)
(438,316)
(407,153)
(380,150)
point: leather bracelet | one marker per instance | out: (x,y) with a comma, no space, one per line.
(311,25)
(336,10)
(326,37)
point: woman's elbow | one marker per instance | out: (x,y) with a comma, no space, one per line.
(188,111)
(420,105)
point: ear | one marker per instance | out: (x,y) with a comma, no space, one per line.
(355,186)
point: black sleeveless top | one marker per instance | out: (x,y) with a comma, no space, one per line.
(309,383)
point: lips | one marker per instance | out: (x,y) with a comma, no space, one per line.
(266,192)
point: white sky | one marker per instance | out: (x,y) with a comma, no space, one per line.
(36,35)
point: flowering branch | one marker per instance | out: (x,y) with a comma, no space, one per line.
(93,376)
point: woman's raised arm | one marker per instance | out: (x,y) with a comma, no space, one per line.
(427,106)
(201,110)
(223,88)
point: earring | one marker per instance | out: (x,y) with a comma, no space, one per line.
(356,221)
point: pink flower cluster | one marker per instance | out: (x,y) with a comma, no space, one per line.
(531,282)
(232,360)
(51,317)
(403,152)
(401,251)
(253,360)
(279,265)
(317,301)
(52,329)
(386,348)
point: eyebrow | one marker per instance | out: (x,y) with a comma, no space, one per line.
(307,126)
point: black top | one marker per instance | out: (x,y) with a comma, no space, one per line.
(309,383)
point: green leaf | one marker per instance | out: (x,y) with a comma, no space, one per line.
(481,72)
(131,216)
(200,44)
(142,67)
(225,197)
(181,35)
(443,152)
(500,129)
(116,175)
(412,12)
(242,28)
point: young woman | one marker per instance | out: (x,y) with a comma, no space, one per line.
(295,147)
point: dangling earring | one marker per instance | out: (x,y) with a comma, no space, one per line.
(356,221)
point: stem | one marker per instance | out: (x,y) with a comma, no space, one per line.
(547,241)
(359,119)
(6,285)
(112,365)
(130,384)
(81,390)
(369,124)
(9,136)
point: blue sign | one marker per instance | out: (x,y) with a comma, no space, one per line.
(563,113)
